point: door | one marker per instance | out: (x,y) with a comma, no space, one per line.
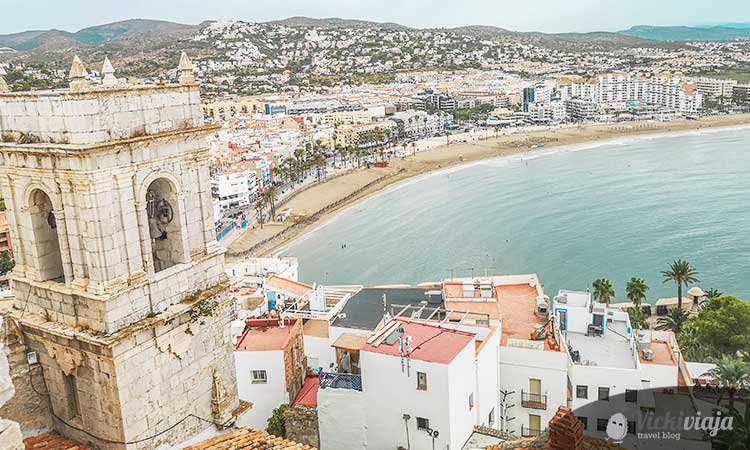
(535,386)
(563,315)
(535,425)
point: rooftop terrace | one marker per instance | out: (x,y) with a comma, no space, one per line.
(611,349)
(430,343)
(266,334)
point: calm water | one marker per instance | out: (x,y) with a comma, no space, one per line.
(613,210)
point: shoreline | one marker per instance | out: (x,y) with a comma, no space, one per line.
(456,156)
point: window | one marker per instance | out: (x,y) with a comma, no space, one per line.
(604,394)
(422,423)
(631,396)
(491,418)
(631,426)
(260,377)
(421,381)
(471,401)
(601,424)
(582,391)
(585,422)
(71,396)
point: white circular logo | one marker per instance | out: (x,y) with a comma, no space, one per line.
(617,427)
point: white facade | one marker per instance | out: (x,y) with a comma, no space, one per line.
(455,397)
(267,396)
(235,189)
(667,91)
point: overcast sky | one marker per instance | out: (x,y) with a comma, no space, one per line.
(524,15)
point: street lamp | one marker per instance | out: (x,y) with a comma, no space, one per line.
(433,434)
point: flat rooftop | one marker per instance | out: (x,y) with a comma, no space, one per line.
(663,354)
(576,298)
(265,335)
(518,311)
(365,309)
(611,349)
(430,343)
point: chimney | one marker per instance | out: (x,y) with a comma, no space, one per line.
(566,431)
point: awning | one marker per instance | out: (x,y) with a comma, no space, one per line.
(348,341)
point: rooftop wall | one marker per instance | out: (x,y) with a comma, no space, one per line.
(98,115)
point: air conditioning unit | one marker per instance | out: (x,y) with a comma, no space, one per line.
(648,354)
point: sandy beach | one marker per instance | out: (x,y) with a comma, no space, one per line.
(319,202)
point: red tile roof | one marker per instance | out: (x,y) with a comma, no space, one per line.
(430,343)
(52,441)
(308,395)
(247,439)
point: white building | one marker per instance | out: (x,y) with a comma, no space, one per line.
(609,363)
(715,88)
(270,363)
(415,123)
(672,92)
(429,381)
(235,190)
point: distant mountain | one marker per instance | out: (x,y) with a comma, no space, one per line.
(135,28)
(125,31)
(713,33)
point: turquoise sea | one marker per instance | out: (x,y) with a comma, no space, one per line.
(613,209)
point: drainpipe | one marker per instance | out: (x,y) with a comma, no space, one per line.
(406,424)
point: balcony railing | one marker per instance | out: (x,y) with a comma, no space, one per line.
(533,401)
(340,381)
(530,432)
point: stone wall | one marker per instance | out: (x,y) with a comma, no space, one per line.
(302,425)
(29,407)
(295,362)
(141,382)
(10,432)
(98,115)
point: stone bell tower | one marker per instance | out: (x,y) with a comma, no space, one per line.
(119,281)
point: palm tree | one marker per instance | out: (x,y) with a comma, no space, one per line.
(269,197)
(319,160)
(603,290)
(673,321)
(731,373)
(713,293)
(636,290)
(681,273)
(738,437)
(260,205)
(638,318)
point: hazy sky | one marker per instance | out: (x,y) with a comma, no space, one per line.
(523,15)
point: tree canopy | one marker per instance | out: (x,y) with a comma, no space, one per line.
(722,327)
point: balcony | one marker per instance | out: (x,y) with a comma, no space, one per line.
(340,381)
(533,401)
(530,432)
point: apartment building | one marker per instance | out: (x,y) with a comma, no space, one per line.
(716,88)
(270,362)
(235,190)
(425,379)
(6,245)
(666,90)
